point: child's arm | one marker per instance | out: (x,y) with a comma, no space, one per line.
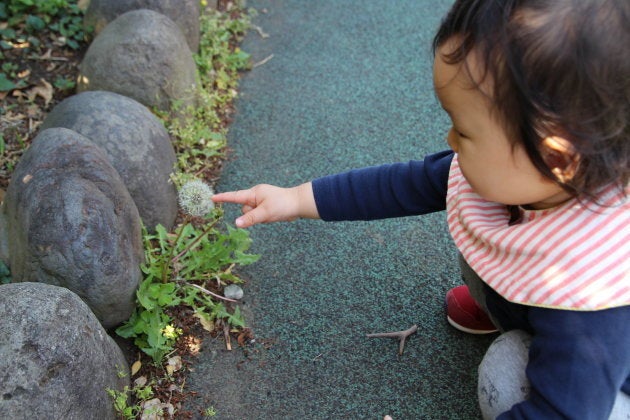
(402,189)
(267,203)
(578,361)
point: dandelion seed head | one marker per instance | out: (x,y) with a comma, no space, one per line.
(195,198)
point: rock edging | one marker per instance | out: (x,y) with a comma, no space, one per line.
(70,222)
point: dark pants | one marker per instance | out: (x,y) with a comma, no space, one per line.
(502,380)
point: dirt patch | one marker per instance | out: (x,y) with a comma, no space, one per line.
(44,76)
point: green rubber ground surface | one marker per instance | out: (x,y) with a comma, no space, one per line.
(348,85)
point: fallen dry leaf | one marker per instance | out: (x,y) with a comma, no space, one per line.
(156,410)
(140,381)
(33,111)
(10,116)
(173,364)
(43,90)
(47,54)
(204,321)
(136,367)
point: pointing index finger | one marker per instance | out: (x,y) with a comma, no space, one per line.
(238,197)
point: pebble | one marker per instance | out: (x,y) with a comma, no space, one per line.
(233,291)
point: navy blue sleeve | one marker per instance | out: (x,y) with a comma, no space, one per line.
(578,362)
(378,192)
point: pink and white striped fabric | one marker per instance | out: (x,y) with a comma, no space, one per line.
(573,256)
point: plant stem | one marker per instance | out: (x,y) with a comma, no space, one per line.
(165,265)
(193,243)
(204,290)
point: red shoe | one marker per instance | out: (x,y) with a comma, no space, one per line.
(463,313)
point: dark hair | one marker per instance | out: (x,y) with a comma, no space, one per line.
(558,67)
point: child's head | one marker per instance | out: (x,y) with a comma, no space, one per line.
(556,74)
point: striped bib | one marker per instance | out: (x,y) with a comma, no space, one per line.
(574,256)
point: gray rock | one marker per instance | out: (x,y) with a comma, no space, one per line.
(56,361)
(185,13)
(4,239)
(136,142)
(71,222)
(233,291)
(142,54)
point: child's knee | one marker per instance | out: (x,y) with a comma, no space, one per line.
(502,381)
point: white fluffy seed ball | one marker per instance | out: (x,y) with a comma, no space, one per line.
(195,198)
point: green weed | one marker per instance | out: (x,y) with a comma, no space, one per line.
(64,84)
(27,18)
(175,264)
(183,267)
(8,73)
(209,412)
(178,263)
(121,399)
(201,135)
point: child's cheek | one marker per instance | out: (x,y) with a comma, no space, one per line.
(451,139)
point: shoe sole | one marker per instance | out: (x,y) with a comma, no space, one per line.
(468,330)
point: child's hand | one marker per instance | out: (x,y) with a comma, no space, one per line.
(266,203)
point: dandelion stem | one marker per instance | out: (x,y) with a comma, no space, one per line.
(165,264)
(204,290)
(193,243)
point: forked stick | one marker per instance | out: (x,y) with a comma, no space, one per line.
(401,335)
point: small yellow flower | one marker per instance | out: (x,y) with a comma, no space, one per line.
(171,332)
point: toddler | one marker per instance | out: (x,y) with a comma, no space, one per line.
(535,189)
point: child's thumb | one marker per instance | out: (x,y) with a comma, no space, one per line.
(250,218)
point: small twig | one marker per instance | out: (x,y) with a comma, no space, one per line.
(47,56)
(260,31)
(210,293)
(165,264)
(226,334)
(264,61)
(51,58)
(401,335)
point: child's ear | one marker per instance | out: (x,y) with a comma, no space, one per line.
(561,157)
